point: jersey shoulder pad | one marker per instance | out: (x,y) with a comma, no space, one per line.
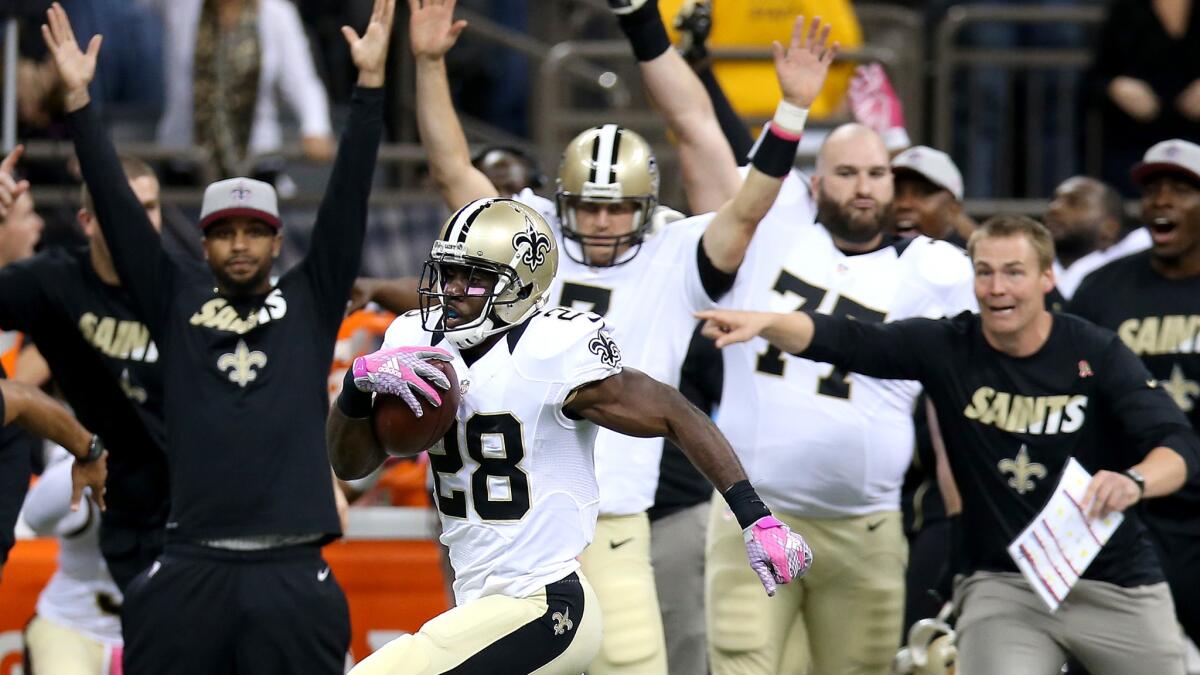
(407,330)
(543,206)
(563,345)
(938,264)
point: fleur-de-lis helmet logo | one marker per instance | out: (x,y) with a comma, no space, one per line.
(532,245)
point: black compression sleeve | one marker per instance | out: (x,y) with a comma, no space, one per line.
(646,32)
(745,503)
(736,133)
(716,283)
(352,402)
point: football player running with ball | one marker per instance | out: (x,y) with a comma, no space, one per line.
(514,479)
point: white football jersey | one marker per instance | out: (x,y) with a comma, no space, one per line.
(81,590)
(648,303)
(816,441)
(515,483)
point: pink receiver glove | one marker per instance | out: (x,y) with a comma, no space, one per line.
(874,103)
(776,553)
(401,371)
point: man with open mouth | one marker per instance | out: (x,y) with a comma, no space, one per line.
(1152,300)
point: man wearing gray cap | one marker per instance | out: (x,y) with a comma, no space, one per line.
(929,193)
(1152,300)
(241,585)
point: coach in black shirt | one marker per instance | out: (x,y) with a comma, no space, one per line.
(1152,301)
(241,586)
(72,304)
(1018,392)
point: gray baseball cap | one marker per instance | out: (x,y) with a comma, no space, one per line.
(1173,156)
(932,165)
(244,197)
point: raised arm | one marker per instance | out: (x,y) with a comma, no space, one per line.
(135,246)
(710,175)
(40,415)
(394,295)
(801,69)
(432,32)
(335,254)
(632,403)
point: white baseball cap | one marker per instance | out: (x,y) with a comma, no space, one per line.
(239,197)
(1173,156)
(934,166)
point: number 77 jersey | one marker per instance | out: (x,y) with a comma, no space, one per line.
(849,438)
(514,480)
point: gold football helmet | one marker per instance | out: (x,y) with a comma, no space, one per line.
(606,164)
(512,257)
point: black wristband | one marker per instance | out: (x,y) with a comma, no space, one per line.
(646,32)
(745,503)
(775,155)
(352,402)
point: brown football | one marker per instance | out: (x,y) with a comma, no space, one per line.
(402,433)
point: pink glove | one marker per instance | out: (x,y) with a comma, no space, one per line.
(400,371)
(776,553)
(875,104)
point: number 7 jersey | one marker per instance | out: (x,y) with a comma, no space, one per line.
(514,480)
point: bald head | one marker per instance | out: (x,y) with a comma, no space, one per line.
(851,140)
(1085,215)
(853,185)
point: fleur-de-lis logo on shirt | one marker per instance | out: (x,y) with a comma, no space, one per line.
(1023,471)
(1181,389)
(535,244)
(562,622)
(241,364)
(604,347)
(132,391)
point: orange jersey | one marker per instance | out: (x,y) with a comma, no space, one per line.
(361,333)
(10,348)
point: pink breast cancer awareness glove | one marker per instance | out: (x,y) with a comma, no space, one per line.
(874,103)
(776,554)
(401,371)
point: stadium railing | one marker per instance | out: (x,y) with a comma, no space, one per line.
(1022,75)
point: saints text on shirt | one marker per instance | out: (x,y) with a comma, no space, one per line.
(1015,413)
(1171,334)
(118,338)
(218,313)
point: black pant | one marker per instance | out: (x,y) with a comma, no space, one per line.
(129,549)
(15,466)
(928,560)
(202,610)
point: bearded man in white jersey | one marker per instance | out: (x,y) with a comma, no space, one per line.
(851,435)
(514,479)
(644,285)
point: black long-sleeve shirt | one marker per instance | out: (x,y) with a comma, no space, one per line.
(106,365)
(1159,320)
(244,377)
(1010,424)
